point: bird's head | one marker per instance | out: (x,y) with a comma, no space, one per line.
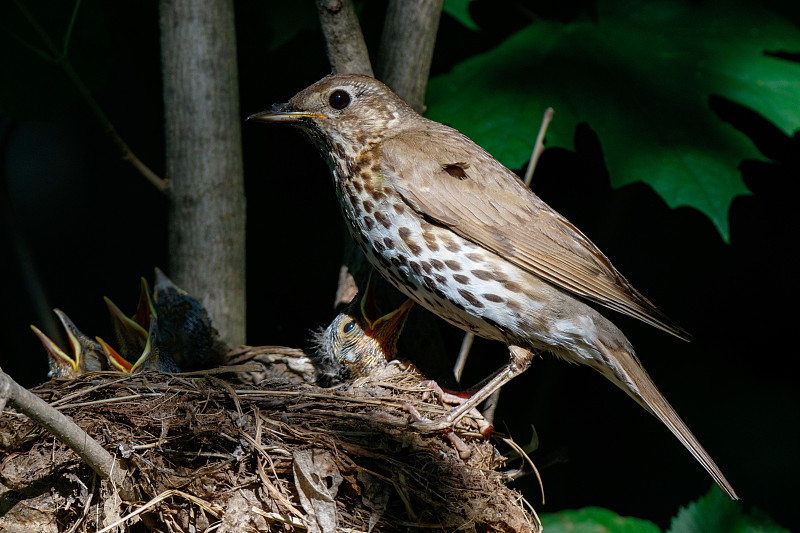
(85,356)
(343,113)
(361,338)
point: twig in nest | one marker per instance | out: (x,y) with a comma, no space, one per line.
(65,430)
(275,517)
(211,508)
(86,507)
(527,459)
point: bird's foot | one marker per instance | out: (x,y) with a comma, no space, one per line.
(458,399)
(464,452)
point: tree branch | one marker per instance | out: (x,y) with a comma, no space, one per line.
(59,57)
(347,54)
(203,137)
(65,430)
(407,42)
(347,51)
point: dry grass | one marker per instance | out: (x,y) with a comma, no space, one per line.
(212,451)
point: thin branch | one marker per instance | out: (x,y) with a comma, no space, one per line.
(54,52)
(347,51)
(538,147)
(70,26)
(64,429)
(38,51)
(59,57)
(463,353)
(127,154)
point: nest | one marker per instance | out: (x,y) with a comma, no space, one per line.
(253,447)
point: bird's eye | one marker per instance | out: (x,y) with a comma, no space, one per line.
(349,326)
(339,99)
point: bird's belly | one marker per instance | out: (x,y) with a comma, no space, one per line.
(452,277)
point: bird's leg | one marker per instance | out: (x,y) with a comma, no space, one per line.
(461,447)
(454,398)
(520,361)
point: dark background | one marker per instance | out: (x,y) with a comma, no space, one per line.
(81,218)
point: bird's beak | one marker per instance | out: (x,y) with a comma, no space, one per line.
(114,358)
(72,333)
(130,334)
(150,352)
(392,324)
(61,359)
(369,308)
(130,325)
(145,308)
(163,285)
(283,113)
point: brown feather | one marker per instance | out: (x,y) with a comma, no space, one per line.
(498,212)
(625,371)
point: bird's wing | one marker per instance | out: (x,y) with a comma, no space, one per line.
(455,183)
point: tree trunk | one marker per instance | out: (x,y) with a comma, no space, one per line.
(347,51)
(407,42)
(204,158)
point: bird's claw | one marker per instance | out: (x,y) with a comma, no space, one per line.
(423,425)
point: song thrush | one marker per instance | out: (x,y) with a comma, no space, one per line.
(461,235)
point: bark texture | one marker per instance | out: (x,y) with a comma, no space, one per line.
(347,51)
(204,158)
(407,42)
(64,429)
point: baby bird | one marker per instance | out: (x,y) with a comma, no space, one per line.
(87,355)
(361,342)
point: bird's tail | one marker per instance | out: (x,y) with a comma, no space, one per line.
(624,369)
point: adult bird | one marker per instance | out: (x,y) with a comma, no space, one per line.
(461,235)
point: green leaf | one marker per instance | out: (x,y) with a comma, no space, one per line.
(717,513)
(641,77)
(459,10)
(594,520)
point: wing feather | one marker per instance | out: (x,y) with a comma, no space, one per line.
(491,207)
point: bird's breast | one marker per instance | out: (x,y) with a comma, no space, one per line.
(448,275)
(453,277)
